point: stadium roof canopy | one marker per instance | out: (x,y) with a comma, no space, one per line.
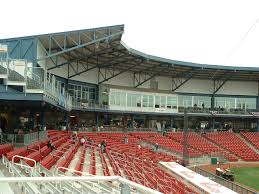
(103,49)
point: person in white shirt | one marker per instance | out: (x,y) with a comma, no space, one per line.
(82,140)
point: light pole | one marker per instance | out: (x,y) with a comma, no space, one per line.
(185,139)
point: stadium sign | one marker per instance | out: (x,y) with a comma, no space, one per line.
(203,183)
(255,114)
(84,104)
(214,112)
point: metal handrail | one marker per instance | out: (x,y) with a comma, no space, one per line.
(72,170)
(20,164)
(22,157)
(79,178)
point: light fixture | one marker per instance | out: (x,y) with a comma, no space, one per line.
(72,116)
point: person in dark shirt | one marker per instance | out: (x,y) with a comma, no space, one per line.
(103,146)
(50,145)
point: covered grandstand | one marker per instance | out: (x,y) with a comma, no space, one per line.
(92,83)
(96,75)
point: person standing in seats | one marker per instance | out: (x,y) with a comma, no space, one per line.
(103,146)
(126,140)
(156,147)
(82,141)
(51,146)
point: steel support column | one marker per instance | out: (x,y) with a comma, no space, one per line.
(185,140)
(32,120)
(42,119)
(212,102)
(213,123)
(257,106)
(67,120)
(132,122)
(97,121)
(172,122)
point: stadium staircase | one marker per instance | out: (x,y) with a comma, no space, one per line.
(22,77)
(48,163)
(130,160)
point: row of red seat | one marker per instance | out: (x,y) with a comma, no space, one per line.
(92,168)
(252,137)
(136,168)
(80,162)
(5,148)
(115,144)
(202,145)
(114,165)
(64,162)
(55,155)
(38,145)
(19,151)
(234,144)
(37,155)
(106,171)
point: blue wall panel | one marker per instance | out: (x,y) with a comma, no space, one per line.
(21,48)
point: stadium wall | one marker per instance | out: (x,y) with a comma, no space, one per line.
(246,88)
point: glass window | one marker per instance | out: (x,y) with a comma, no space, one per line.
(123,99)
(117,98)
(163,101)
(129,100)
(202,101)
(134,100)
(185,101)
(246,103)
(91,89)
(145,101)
(151,101)
(112,98)
(138,100)
(157,101)
(92,96)
(171,102)
(220,102)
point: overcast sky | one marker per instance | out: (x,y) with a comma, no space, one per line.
(201,31)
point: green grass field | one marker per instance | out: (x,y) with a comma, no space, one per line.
(248,176)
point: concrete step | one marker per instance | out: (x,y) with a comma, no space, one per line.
(87,161)
(108,164)
(99,166)
(74,161)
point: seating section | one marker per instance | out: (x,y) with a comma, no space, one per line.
(5,148)
(202,145)
(55,155)
(64,162)
(252,137)
(166,142)
(234,144)
(19,151)
(92,168)
(79,165)
(106,171)
(132,160)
